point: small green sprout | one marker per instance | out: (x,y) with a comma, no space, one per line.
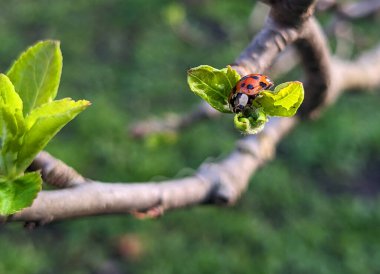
(215,86)
(29,119)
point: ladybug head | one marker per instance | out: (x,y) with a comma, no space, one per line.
(239,101)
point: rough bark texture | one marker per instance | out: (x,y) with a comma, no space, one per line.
(221,182)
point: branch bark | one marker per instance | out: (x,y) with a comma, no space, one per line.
(340,28)
(173,122)
(359,10)
(55,172)
(221,182)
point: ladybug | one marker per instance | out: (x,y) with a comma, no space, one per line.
(246,90)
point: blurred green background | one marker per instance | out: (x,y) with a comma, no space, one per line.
(314,209)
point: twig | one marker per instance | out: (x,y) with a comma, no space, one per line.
(221,182)
(324,5)
(257,57)
(173,123)
(339,27)
(359,10)
(55,172)
(315,58)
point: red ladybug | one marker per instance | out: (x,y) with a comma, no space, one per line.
(246,90)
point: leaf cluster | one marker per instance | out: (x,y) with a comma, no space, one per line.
(214,86)
(29,119)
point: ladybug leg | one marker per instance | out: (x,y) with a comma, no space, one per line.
(231,100)
(271,84)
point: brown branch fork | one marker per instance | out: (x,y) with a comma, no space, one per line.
(290,22)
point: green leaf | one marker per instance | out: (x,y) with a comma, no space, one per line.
(36,74)
(251,122)
(9,121)
(213,85)
(11,140)
(58,107)
(9,99)
(283,101)
(8,95)
(12,125)
(29,91)
(18,193)
(43,124)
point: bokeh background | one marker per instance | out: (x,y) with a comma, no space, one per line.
(314,209)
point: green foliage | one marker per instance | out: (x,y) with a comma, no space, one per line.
(283,101)
(314,209)
(17,193)
(43,124)
(29,119)
(214,86)
(36,74)
(252,123)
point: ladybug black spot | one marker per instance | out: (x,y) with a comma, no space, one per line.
(249,86)
(263,85)
(242,85)
(255,77)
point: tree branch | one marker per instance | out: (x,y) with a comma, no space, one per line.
(359,10)
(362,73)
(285,61)
(315,59)
(173,122)
(55,172)
(221,182)
(278,33)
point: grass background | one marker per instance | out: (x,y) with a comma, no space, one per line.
(314,209)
